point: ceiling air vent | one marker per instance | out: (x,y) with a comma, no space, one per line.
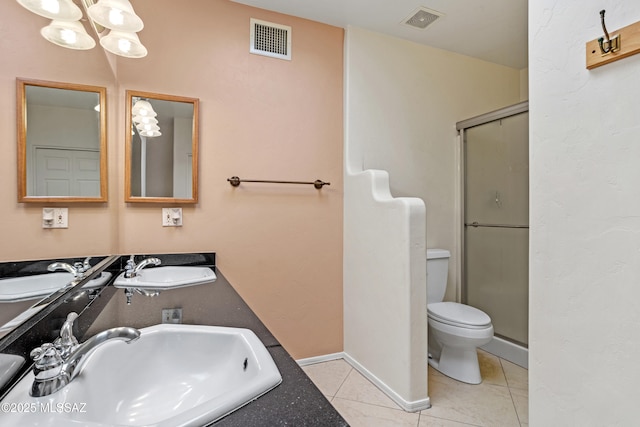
(422,18)
(270,39)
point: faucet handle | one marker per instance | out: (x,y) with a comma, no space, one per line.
(129,268)
(67,341)
(46,357)
(79,269)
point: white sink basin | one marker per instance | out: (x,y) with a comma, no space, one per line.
(173,375)
(170,277)
(38,286)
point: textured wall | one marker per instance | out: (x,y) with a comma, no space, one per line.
(585,220)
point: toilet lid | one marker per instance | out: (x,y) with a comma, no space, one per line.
(462,315)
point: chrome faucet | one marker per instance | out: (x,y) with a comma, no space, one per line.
(57,364)
(128,292)
(132,269)
(77,269)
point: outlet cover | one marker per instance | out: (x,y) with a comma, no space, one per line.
(172,217)
(172,315)
(55,218)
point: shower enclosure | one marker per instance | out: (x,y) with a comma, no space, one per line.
(495,230)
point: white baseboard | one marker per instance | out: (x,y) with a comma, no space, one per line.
(508,351)
(413,406)
(320,359)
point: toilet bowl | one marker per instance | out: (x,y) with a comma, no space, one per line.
(455,330)
(454,339)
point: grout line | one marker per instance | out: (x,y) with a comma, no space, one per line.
(343,381)
(515,408)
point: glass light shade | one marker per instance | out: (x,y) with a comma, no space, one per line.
(62,10)
(69,34)
(115,15)
(145,120)
(124,44)
(143,108)
(148,128)
(150,134)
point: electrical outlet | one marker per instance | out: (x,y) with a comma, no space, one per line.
(172,217)
(55,218)
(171,315)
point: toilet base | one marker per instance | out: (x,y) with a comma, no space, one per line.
(458,363)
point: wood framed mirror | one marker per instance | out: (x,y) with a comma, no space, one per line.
(161,148)
(62,142)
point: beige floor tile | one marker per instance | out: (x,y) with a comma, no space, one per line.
(517,376)
(426,421)
(483,404)
(328,376)
(359,414)
(521,402)
(356,387)
(491,369)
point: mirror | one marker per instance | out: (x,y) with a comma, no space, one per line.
(62,142)
(161,160)
(25,286)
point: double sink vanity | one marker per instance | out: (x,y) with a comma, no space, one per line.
(100,351)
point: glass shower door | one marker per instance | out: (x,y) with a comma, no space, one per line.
(496,219)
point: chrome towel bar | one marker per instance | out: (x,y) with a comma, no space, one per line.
(235,181)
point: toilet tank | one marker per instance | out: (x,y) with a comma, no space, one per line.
(437,271)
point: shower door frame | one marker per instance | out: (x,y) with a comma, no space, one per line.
(502,347)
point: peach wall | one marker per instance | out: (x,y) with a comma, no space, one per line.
(261,118)
(24,53)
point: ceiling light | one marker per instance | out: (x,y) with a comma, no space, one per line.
(143,108)
(69,34)
(148,127)
(116,15)
(124,44)
(67,31)
(64,10)
(145,120)
(150,134)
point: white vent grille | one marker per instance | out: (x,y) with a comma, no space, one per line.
(422,18)
(270,39)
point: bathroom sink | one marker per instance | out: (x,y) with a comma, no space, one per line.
(173,375)
(9,365)
(38,286)
(170,277)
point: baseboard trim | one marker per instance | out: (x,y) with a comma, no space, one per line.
(319,359)
(413,406)
(508,351)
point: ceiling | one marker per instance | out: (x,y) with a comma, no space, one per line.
(491,30)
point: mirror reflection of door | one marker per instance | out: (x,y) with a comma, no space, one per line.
(63,141)
(66,172)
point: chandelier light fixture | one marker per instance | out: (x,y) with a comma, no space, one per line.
(144,118)
(114,21)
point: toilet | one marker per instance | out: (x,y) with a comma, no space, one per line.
(455,330)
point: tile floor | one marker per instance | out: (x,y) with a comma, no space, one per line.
(501,399)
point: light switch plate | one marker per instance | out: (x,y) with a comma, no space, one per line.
(172,217)
(60,218)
